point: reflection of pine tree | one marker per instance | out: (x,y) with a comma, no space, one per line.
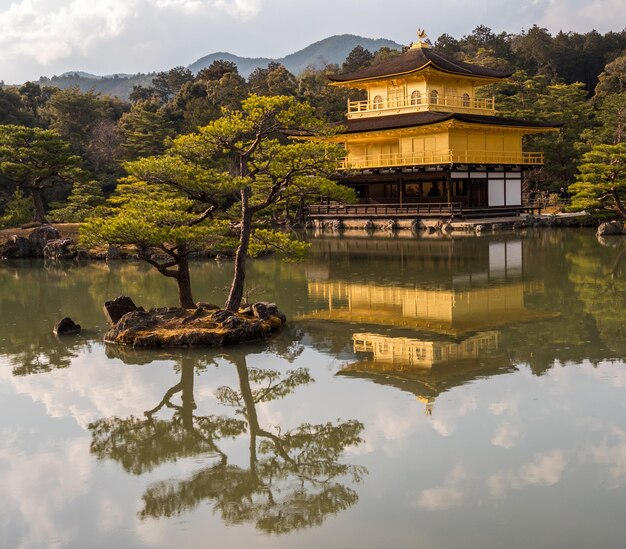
(291,482)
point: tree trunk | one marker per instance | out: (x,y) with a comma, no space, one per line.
(619,203)
(186,381)
(40,212)
(236,290)
(184,282)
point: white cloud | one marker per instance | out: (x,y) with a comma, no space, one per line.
(612,455)
(545,470)
(505,436)
(446,496)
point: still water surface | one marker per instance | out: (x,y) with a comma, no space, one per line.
(432,393)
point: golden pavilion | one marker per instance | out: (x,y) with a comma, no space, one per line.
(424,135)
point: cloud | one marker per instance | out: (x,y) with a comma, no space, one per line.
(612,455)
(505,436)
(446,496)
(545,470)
(41,33)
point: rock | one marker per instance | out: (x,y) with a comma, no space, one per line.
(309,225)
(337,226)
(416,226)
(115,309)
(15,248)
(66,326)
(431,230)
(447,228)
(232,322)
(519,225)
(39,237)
(610,228)
(264,310)
(113,253)
(369,226)
(481,228)
(221,315)
(60,249)
(391,225)
(176,327)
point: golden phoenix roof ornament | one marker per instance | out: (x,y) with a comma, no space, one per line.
(422,40)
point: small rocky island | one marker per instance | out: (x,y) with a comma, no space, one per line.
(205,326)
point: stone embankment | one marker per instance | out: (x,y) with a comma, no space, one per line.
(205,326)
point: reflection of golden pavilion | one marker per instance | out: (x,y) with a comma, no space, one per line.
(426,367)
(402,353)
(445,311)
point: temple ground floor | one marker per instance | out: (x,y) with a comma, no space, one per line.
(444,192)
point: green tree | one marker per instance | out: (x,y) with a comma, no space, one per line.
(357,59)
(246,148)
(83,202)
(613,79)
(164,230)
(12,110)
(602,179)
(273,80)
(144,130)
(18,210)
(36,160)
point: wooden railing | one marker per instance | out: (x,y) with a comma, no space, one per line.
(440,157)
(384,210)
(422,103)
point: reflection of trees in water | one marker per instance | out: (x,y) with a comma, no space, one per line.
(599,276)
(293,479)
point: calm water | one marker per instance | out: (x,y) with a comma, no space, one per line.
(432,393)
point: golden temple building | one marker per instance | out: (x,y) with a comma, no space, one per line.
(425,135)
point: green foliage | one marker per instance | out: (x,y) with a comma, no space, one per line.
(86,200)
(358,58)
(18,210)
(147,222)
(144,130)
(602,179)
(612,80)
(36,159)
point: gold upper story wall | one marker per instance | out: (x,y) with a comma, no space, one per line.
(427,88)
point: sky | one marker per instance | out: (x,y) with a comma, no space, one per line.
(47,37)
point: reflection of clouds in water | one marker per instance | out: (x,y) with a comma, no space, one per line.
(446,496)
(92,388)
(111,515)
(612,454)
(445,417)
(506,435)
(545,470)
(37,487)
(504,407)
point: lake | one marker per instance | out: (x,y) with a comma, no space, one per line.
(429,392)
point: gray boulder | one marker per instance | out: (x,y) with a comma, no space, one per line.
(57,250)
(66,326)
(39,237)
(15,248)
(115,309)
(610,228)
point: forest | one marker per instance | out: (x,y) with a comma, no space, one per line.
(86,139)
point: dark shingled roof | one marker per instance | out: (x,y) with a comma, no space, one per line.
(415,59)
(397,121)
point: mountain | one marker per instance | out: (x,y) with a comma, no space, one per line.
(330,50)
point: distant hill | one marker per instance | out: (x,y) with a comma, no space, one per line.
(330,50)
(119,85)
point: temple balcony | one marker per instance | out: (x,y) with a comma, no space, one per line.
(440,157)
(445,103)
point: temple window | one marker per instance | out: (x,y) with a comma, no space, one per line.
(466,100)
(416,98)
(434,97)
(377,103)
